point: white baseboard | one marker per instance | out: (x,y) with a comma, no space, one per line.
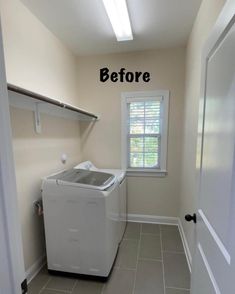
(186,246)
(154,219)
(35,268)
(165,220)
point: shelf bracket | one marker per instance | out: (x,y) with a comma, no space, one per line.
(37,119)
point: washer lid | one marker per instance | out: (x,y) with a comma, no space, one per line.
(88,178)
(119,173)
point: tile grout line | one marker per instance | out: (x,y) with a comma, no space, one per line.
(150,259)
(128,268)
(175,288)
(44,287)
(58,290)
(151,234)
(173,252)
(137,261)
(128,239)
(102,291)
(163,268)
(74,286)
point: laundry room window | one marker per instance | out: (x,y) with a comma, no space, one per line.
(144,132)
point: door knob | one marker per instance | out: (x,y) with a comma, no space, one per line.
(189,218)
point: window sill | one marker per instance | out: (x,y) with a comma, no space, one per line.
(146,173)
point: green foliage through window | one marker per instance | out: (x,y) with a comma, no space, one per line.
(144,133)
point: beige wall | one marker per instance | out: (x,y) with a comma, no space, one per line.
(38,155)
(101,142)
(35,58)
(38,61)
(207,15)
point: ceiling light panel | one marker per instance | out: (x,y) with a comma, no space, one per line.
(119,18)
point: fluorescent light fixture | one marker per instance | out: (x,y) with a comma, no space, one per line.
(119,18)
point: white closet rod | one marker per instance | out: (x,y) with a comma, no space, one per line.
(43,98)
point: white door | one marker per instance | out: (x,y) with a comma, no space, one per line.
(12,271)
(214,262)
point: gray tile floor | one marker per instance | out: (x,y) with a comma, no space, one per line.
(150,260)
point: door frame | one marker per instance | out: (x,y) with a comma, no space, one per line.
(11,255)
(225,18)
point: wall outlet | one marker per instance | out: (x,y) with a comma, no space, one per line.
(64,158)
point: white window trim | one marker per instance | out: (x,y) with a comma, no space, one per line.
(138,96)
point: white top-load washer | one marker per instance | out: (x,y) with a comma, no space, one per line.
(82,225)
(121,179)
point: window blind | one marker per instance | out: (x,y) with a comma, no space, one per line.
(144,133)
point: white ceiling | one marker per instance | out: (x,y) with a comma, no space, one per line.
(84,26)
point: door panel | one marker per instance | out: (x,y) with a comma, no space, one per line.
(219,132)
(205,280)
(213,264)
